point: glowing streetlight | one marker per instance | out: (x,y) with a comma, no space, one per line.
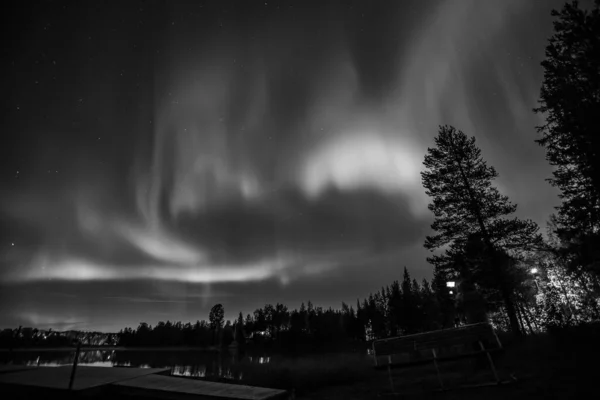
(450,284)
(534,271)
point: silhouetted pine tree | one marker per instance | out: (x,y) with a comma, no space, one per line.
(442,295)
(464,202)
(395,307)
(431,308)
(570,100)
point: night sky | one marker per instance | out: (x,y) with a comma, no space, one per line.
(158,158)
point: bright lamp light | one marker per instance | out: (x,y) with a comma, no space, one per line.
(450,284)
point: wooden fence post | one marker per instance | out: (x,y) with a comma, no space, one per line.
(491,361)
(437,369)
(74,365)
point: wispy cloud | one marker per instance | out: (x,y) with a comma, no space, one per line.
(145,300)
(45,321)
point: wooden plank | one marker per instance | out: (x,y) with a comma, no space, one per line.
(437,369)
(436,336)
(86,377)
(445,345)
(448,344)
(484,326)
(437,339)
(8,368)
(186,387)
(444,358)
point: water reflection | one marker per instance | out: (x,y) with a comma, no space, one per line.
(59,358)
(57,364)
(260,360)
(197,371)
(197,364)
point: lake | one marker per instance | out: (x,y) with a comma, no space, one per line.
(182,362)
(303,372)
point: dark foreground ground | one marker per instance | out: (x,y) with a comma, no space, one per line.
(563,365)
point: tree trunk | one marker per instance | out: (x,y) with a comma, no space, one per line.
(521,317)
(534,318)
(526,318)
(506,292)
(511,311)
(505,317)
(569,306)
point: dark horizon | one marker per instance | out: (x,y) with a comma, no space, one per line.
(166,157)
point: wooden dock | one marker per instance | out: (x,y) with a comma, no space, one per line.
(115,382)
(85,378)
(5,369)
(159,386)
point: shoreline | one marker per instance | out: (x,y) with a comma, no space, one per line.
(113,348)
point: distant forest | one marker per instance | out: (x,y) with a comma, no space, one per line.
(402,307)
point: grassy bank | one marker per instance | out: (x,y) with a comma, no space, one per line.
(557,365)
(308,373)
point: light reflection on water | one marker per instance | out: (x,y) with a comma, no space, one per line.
(58,364)
(195,364)
(260,360)
(189,370)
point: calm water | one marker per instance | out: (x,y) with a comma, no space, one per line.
(181,362)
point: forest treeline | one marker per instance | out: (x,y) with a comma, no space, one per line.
(402,307)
